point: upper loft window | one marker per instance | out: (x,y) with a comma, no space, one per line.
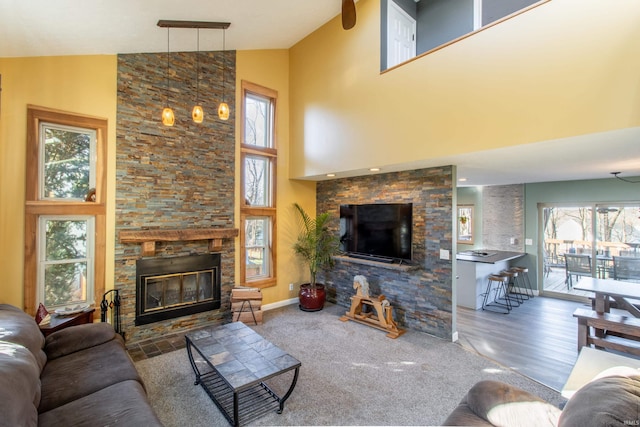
(411,28)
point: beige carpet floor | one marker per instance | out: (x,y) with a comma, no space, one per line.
(351,374)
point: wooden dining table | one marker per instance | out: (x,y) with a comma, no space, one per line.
(606,289)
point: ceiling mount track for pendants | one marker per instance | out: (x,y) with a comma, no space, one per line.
(193,24)
(197,113)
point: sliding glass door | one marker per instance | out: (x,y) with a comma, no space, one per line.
(586,240)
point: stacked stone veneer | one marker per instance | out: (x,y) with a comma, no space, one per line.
(173,177)
(503,217)
(421,294)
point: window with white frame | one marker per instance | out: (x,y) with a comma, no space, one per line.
(65,254)
(257,238)
(258,207)
(67,170)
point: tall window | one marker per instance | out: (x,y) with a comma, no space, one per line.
(258,206)
(65,209)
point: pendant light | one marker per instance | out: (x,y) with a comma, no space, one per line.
(168,118)
(223,108)
(197,114)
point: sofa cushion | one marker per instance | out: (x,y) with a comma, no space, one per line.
(76,338)
(18,327)
(121,404)
(83,372)
(606,401)
(505,405)
(19,386)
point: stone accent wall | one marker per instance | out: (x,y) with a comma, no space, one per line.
(421,293)
(173,177)
(503,217)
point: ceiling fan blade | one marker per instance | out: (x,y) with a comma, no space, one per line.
(348,14)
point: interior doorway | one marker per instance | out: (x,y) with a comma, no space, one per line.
(401,35)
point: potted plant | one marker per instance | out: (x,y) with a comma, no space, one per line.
(316,245)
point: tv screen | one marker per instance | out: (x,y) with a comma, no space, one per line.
(377,230)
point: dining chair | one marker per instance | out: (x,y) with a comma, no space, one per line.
(626,268)
(576,265)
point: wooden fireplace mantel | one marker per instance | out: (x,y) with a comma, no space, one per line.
(148,238)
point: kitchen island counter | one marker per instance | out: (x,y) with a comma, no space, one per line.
(488,256)
(474,268)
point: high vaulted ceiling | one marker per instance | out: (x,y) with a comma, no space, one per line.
(82,27)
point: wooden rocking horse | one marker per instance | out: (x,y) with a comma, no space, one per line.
(380,317)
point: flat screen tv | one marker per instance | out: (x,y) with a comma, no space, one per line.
(377,231)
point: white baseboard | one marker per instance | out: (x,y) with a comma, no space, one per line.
(279,304)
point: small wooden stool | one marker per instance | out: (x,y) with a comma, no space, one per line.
(246,305)
(523,273)
(502,282)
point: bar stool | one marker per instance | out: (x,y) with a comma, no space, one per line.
(511,284)
(523,273)
(500,289)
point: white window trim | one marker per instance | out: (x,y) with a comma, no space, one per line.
(89,259)
(93,156)
(267,185)
(267,245)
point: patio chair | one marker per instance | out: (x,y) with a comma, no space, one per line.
(626,268)
(576,265)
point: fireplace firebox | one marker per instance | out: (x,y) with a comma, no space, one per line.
(167,288)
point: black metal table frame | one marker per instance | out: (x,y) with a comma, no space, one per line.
(215,378)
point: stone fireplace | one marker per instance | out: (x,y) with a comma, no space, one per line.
(174,189)
(178,286)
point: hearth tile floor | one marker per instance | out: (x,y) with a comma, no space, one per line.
(155,347)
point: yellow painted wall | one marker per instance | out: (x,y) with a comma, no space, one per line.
(270,68)
(80,84)
(88,85)
(565,68)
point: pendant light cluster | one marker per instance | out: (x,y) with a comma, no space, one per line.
(197,114)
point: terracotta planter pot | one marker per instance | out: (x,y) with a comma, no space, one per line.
(311,299)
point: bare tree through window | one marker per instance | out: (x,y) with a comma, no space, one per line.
(258,210)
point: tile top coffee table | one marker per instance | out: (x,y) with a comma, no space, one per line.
(232,363)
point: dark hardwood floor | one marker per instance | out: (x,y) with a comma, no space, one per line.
(538,339)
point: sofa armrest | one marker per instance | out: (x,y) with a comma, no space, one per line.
(76,338)
(462,415)
(605,401)
(505,405)
(19,386)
